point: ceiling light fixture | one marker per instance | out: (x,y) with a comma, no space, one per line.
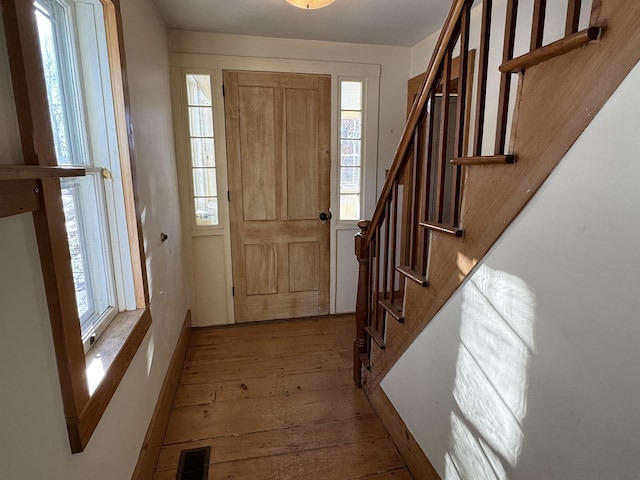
(310,4)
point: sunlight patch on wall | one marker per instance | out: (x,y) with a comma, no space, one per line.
(466,457)
(496,344)
(150,357)
(143,222)
(95,373)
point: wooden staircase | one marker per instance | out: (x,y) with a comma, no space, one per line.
(449,195)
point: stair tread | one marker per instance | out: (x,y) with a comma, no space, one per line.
(366,361)
(376,336)
(443,228)
(414,275)
(485,160)
(555,49)
(395,309)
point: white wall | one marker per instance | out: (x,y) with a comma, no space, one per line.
(530,370)
(31,412)
(257,53)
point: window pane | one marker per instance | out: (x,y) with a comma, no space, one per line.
(350,153)
(350,207)
(202,152)
(206,211)
(201,121)
(53,80)
(349,180)
(351,96)
(199,90)
(351,125)
(90,260)
(204,182)
(70,198)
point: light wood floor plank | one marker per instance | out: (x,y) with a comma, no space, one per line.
(204,393)
(282,441)
(166,474)
(345,462)
(401,474)
(239,349)
(286,364)
(276,401)
(254,415)
(312,326)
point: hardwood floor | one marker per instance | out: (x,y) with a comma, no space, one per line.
(276,401)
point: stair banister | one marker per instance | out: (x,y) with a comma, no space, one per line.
(369,230)
(429,168)
(400,156)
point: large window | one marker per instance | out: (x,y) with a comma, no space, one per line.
(75,62)
(351,141)
(65,58)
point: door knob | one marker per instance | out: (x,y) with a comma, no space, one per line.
(324,216)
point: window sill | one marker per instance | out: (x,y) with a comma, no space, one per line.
(107,361)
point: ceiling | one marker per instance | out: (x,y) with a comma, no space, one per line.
(378,22)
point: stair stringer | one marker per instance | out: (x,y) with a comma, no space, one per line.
(557,101)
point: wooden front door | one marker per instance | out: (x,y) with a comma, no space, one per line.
(278,148)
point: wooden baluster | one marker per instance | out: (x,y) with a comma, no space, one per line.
(573,17)
(387,231)
(442,140)
(415,192)
(376,283)
(537,29)
(360,344)
(505,78)
(394,241)
(456,193)
(405,217)
(483,67)
(431,118)
(370,286)
(407,210)
(421,138)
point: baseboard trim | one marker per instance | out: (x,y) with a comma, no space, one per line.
(150,451)
(417,461)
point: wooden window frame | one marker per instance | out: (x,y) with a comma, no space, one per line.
(121,340)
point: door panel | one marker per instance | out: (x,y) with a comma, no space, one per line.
(302,172)
(278,137)
(258,157)
(304,261)
(261,268)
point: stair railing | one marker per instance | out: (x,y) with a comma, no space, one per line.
(423,191)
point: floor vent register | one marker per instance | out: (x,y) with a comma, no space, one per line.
(194,464)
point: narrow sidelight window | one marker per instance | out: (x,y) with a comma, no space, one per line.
(203,158)
(351,141)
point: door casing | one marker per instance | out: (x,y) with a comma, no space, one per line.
(211,307)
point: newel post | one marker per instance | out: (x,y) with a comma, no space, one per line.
(362,300)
